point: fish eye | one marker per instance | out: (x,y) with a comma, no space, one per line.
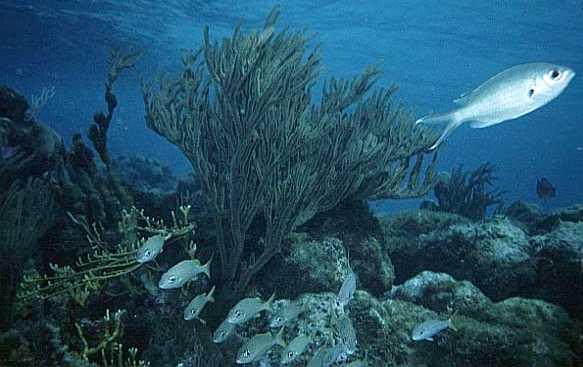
(290,354)
(237,313)
(172,278)
(555,74)
(222,333)
(247,353)
(192,311)
(147,253)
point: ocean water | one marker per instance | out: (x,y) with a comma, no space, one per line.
(433,50)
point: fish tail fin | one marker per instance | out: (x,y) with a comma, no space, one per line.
(279,338)
(450,321)
(452,119)
(207,267)
(210,294)
(450,324)
(269,303)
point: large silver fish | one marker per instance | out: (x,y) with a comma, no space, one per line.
(508,95)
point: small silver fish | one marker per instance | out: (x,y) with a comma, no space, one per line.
(347,335)
(195,307)
(257,346)
(295,348)
(332,354)
(430,328)
(346,292)
(318,358)
(183,272)
(151,248)
(358,363)
(506,96)
(223,331)
(248,308)
(285,314)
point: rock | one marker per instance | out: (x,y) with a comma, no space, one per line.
(383,329)
(477,343)
(559,258)
(514,332)
(372,265)
(493,255)
(402,229)
(315,266)
(524,213)
(146,175)
(310,267)
(12,104)
(572,214)
(440,292)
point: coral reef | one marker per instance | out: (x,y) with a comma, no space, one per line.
(559,255)
(245,119)
(119,60)
(278,199)
(465,193)
(27,212)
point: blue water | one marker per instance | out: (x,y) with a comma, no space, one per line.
(434,50)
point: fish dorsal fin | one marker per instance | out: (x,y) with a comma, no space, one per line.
(465,98)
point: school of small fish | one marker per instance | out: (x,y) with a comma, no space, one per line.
(256,348)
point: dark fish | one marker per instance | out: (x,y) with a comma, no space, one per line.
(545,189)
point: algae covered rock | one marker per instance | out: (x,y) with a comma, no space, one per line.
(400,232)
(441,292)
(572,214)
(12,104)
(493,255)
(311,266)
(315,266)
(525,213)
(559,255)
(383,329)
(372,265)
(145,175)
(514,332)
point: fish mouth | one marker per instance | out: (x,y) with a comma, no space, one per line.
(569,74)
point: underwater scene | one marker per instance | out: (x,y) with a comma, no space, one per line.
(189,183)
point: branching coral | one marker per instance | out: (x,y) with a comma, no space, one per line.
(245,119)
(119,60)
(105,262)
(108,347)
(465,193)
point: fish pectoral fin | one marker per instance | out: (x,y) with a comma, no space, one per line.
(430,339)
(463,99)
